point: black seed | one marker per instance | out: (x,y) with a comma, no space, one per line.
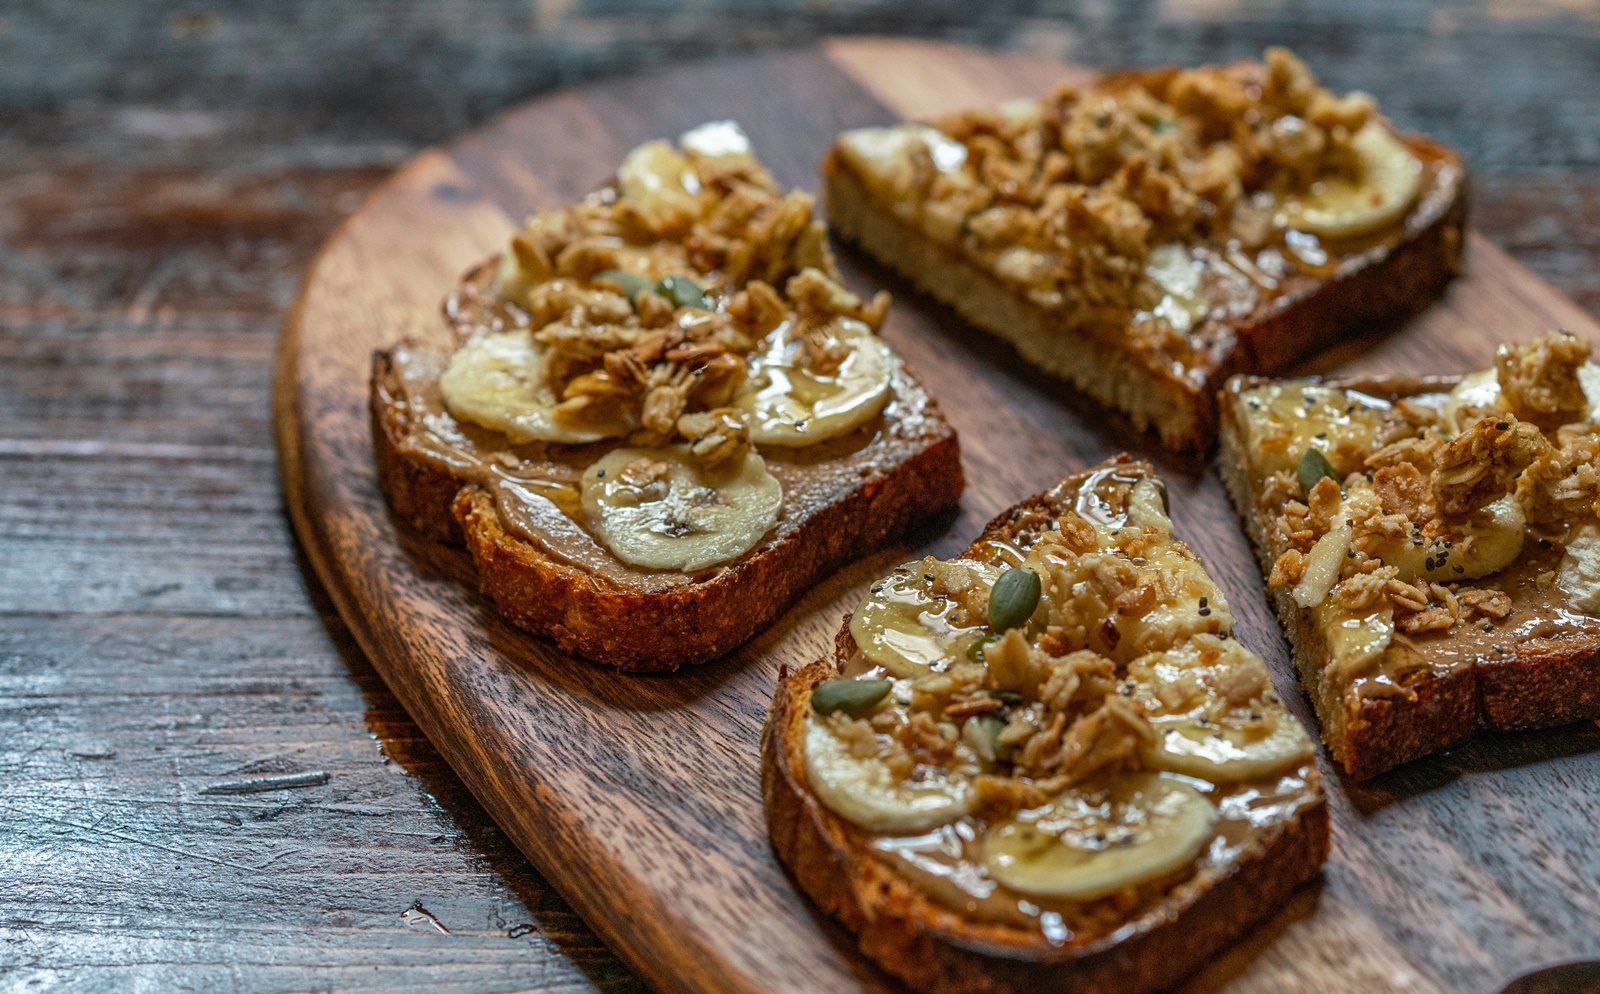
(1503,425)
(1202,602)
(1458,568)
(1430,563)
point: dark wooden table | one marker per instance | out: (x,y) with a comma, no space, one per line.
(202,783)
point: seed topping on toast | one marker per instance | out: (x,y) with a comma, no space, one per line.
(1059,730)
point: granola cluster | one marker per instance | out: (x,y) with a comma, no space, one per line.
(1423,493)
(1070,200)
(649,296)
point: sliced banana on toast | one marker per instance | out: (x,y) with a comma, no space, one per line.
(809,388)
(863,789)
(657,509)
(1089,845)
(923,614)
(1213,710)
(1388,179)
(499,381)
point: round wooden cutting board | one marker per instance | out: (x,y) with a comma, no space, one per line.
(639,796)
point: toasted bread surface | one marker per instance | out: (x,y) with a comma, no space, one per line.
(934,947)
(1539,683)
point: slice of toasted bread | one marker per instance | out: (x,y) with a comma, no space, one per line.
(1133,941)
(1537,667)
(652,436)
(901,468)
(1264,325)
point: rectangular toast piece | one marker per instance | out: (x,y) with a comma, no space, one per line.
(923,896)
(1482,620)
(616,433)
(1143,240)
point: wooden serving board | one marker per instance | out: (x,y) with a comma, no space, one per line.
(639,796)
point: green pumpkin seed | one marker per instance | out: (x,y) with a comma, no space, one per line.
(684,292)
(1006,696)
(992,727)
(1013,598)
(1313,467)
(854,697)
(631,284)
(976,650)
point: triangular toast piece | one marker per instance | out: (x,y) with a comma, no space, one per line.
(1431,545)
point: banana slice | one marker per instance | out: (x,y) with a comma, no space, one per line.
(1589,376)
(661,182)
(1355,639)
(1087,846)
(654,508)
(792,403)
(907,624)
(1340,208)
(1470,551)
(883,155)
(498,381)
(1473,399)
(1579,573)
(715,139)
(865,792)
(1202,731)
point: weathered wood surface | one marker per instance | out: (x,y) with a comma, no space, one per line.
(638,796)
(167,170)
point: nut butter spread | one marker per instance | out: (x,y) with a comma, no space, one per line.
(659,380)
(1059,732)
(1431,529)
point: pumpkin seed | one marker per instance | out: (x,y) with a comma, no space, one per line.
(992,727)
(1012,599)
(854,697)
(1006,696)
(631,284)
(1313,467)
(976,649)
(684,292)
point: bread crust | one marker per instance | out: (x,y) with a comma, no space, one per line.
(639,629)
(936,950)
(1379,285)
(1368,736)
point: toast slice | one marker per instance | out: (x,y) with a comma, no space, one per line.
(659,416)
(1465,594)
(1149,236)
(1067,807)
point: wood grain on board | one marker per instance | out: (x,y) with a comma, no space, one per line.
(638,796)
